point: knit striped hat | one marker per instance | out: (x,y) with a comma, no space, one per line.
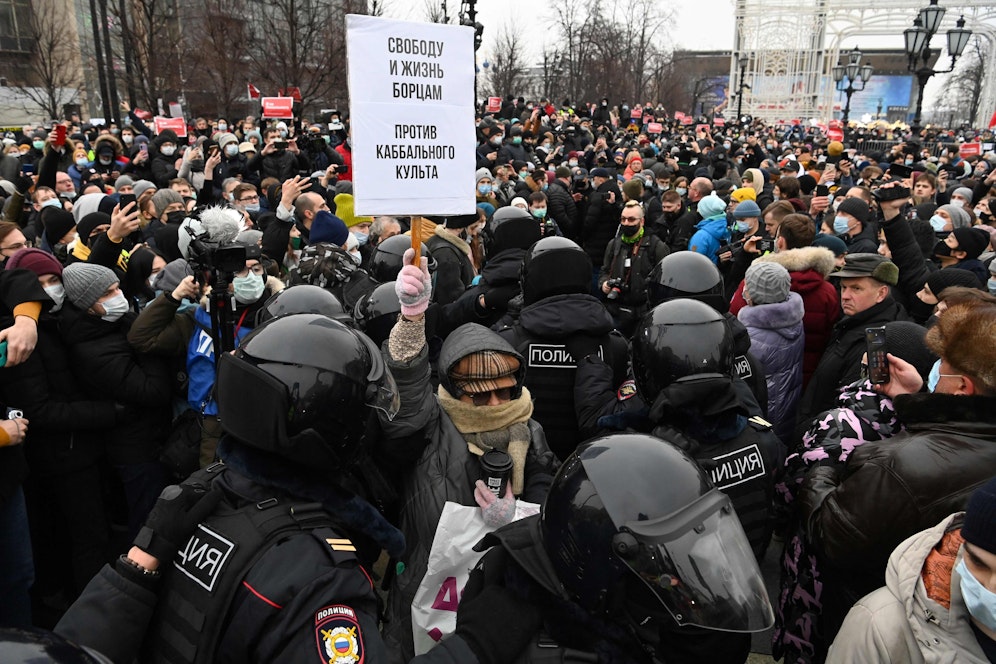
(484,371)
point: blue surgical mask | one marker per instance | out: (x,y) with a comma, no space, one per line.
(742,226)
(991,285)
(38,145)
(52,202)
(252,208)
(516,140)
(841,225)
(484,189)
(979,600)
(361,239)
(222,126)
(681,191)
(249,288)
(539,213)
(937,222)
(934,377)
(572,163)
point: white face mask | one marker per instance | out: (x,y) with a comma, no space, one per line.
(355,255)
(57,294)
(249,288)
(114,308)
(168,150)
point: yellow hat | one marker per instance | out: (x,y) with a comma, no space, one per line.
(835,148)
(743,194)
(344,210)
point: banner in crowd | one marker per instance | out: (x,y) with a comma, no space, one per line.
(179,125)
(411,91)
(278,108)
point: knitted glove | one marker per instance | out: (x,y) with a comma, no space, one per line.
(174,517)
(413,286)
(496,511)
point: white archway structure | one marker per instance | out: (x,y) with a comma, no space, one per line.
(791,48)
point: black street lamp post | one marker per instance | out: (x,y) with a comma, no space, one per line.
(918,49)
(854,73)
(742,62)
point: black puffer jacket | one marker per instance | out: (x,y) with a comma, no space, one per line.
(441,469)
(601,221)
(890,489)
(105,365)
(841,361)
(562,208)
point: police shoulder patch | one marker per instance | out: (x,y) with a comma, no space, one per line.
(626,391)
(337,635)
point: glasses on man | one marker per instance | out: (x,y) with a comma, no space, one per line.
(14,247)
(255,269)
(249,199)
(484,398)
(628,218)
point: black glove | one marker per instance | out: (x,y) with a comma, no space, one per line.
(499,296)
(174,517)
(497,625)
(581,346)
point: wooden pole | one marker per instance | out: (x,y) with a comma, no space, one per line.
(417,240)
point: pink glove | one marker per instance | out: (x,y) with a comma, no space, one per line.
(496,512)
(413,286)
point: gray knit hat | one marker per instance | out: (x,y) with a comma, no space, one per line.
(163,199)
(123,181)
(767,283)
(141,187)
(85,283)
(965,193)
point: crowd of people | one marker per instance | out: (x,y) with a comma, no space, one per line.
(236,410)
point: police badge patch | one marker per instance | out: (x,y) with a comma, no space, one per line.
(626,391)
(337,633)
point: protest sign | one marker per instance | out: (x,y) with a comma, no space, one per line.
(411,89)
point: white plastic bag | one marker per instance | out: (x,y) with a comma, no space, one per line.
(451,560)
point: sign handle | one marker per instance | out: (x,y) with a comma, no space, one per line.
(417,239)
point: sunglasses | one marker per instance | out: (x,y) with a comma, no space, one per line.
(484,398)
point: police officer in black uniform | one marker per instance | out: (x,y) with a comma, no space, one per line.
(634,558)
(682,357)
(556,280)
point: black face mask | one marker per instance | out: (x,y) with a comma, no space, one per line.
(196,165)
(942,249)
(176,217)
(629,231)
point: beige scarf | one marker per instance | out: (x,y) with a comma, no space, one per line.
(504,427)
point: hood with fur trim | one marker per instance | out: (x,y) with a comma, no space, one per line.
(805,258)
(107,139)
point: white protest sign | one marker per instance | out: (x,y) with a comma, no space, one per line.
(411,90)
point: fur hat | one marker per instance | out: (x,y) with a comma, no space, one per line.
(85,283)
(767,283)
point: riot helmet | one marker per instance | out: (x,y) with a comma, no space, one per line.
(631,512)
(377,312)
(554,266)
(677,341)
(303,299)
(386,263)
(297,387)
(687,274)
(28,646)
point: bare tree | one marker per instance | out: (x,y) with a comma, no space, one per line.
(963,89)
(55,74)
(217,43)
(436,12)
(508,68)
(376,8)
(149,34)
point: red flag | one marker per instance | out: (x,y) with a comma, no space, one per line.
(254,92)
(992,120)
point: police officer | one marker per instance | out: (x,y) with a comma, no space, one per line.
(687,274)
(556,278)
(635,557)
(682,358)
(385,263)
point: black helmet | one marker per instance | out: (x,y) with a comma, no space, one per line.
(377,312)
(554,266)
(687,274)
(303,299)
(28,646)
(632,508)
(678,340)
(297,386)
(385,263)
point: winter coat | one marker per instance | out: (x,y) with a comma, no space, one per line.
(891,489)
(106,365)
(777,340)
(454,267)
(650,250)
(710,235)
(908,258)
(561,207)
(865,242)
(808,267)
(684,227)
(602,220)
(440,468)
(920,614)
(841,361)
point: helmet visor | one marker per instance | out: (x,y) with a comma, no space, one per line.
(382,391)
(699,564)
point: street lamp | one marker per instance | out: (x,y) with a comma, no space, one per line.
(855,73)
(742,62)
(918,51)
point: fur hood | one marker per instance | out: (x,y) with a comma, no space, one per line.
(806,258)
(108,139)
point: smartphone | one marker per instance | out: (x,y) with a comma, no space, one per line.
(822,190)
(28,169)
(144,147)
(125,199)
(213,150)
(765,246)
(60,135)
(280,145)
(3,353)
(878,364)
